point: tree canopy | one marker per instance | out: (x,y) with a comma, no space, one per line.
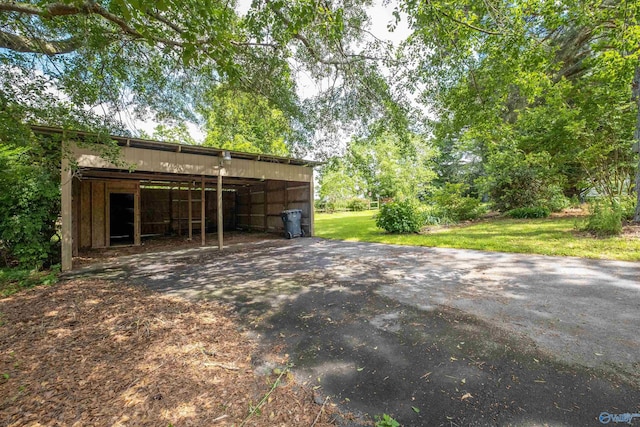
(160,58)
(246,122)
(547,77)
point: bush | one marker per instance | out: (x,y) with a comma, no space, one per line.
(357,204)
(555,200)
(628,207)
(330,207)
(431,215)
(400,217)
(605,218)
(452,203)
(574,201)
(531,212)
(515,180)
(29,205)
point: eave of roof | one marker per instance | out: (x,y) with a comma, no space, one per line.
(147,144)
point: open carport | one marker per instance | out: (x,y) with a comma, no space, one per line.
(160,189)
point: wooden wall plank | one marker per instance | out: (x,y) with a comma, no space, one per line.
(190,210)
(75,220)
(66,214)
(194,164)
(85,214)
(98,205)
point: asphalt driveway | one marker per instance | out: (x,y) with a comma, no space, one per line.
(431,336)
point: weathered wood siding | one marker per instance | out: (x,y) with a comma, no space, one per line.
(91,206)
(259,206)
(165,210)
(195,164)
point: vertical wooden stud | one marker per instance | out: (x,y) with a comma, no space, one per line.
(67,224)
(75,216)
(179,209)
(203,206)
(265,207)
(190,202)
(137,217)
(312,214)
(220,216)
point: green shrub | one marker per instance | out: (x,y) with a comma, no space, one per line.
(400,217)
(628,207)
(605,218)
(555,200)
(431,215)
(574,201)
(529,212)
(357,204)
(452,203)
(515,179)
(29,205)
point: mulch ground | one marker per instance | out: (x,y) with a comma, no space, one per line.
(89,352)
(159,244)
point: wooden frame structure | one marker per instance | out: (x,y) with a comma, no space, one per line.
(251,190)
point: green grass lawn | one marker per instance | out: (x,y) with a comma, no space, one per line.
(550,236)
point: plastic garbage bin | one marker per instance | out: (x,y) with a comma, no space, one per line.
(291,220)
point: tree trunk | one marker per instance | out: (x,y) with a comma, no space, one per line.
(636,98)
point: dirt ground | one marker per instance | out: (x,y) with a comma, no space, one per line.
(92,352)
(158,244)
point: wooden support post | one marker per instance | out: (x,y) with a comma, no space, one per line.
(179,209)
(137,217)
(203,222)
(171,208)
(312,208)
(286,196)
(220,218)
(249,222)
(75,215)
(190,212)
(265,207)
(67,215)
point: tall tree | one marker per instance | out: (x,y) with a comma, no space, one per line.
(391,168)
(551,76)
(242,121)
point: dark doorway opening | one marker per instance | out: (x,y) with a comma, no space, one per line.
(121,214)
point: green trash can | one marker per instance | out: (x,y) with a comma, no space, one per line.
(292,223)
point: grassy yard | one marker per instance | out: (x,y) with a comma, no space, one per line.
(551,236)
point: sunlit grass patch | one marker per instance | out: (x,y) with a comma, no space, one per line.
(546,236)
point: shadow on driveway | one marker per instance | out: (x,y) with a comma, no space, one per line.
(430,336)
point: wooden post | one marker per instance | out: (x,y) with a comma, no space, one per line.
(75,215)
(312,213)
(137,217)
(190,213)
(220,218)
(203,221)
(67,216)
(171,208)
(179,210)
(265,207)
